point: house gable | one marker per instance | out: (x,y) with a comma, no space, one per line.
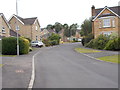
(14,16)
(106,12)
(5,20)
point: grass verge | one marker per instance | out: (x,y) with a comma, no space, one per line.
(113,58)
(1,65)
(8,55)
(83,50)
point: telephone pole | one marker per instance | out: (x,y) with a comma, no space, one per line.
(17,28)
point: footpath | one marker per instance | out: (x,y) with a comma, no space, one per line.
(16,71)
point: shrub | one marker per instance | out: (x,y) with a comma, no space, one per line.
(100,42)
(46,42)
(54,42)
(54,39)
(90,44)
(113,44)
(87,39)
(9,46)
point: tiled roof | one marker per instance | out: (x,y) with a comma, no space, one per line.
(115,9)
(1,13)
(27,21)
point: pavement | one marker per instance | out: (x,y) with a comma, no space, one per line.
(16,72)
(62,67)
(59,67)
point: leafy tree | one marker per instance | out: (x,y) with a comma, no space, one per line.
(73,29)
(49,27)
(66,30)
(58,27)
(86,27)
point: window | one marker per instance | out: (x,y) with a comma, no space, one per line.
(3,30)
(113,23)
(17,28)
(106,23)
(107,33)
(36,27)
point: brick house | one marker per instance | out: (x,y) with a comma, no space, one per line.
(105,20)
(27,27)
(4,26)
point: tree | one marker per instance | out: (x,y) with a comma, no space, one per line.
(73,29)
(66,30)
(58,27)
(49,27)
(86,27)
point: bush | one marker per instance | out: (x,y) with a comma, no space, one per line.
(9,46)
(100,42)
(54,42)
(113,44)
(87,39)
(46,42)
(54,39)
(90,44)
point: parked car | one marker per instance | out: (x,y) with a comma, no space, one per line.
(37,44)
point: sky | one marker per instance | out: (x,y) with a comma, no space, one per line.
(51,11)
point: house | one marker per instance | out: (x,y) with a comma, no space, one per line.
(105,20)
(63,37)
(27,27)
(5,27)
(44,33)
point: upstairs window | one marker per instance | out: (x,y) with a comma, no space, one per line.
(113,23)
(106,23)
(3,30)
(36,28)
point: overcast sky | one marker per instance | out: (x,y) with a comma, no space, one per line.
(51,11)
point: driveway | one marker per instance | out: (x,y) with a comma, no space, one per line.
(62,67)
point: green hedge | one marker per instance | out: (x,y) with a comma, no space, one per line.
(113,44)
(87,39)
(9,46)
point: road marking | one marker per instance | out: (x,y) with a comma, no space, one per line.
(33,72)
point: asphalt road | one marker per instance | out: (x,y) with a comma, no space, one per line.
(62,67)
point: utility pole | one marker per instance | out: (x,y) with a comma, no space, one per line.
(17,28)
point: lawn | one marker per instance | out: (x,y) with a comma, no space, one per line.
(8,55)
(1,65)
(83,50)
(114,58)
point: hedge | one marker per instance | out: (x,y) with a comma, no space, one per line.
(9,46)
(113,44)
(87,39)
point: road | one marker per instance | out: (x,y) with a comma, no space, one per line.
(62,67)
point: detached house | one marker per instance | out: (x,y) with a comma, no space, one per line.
(105,20)
(27,27)
(4,26)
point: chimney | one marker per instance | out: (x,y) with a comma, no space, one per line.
(93,10)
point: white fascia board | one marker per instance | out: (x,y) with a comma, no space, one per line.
(16,18)
(36,20)
(103,10)
(2,15)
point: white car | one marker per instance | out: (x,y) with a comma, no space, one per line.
(37,44)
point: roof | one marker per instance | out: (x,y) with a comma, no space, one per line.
(26,21)
(13,33)
(115,9)
(51,31)
(115,12)
(1,14)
